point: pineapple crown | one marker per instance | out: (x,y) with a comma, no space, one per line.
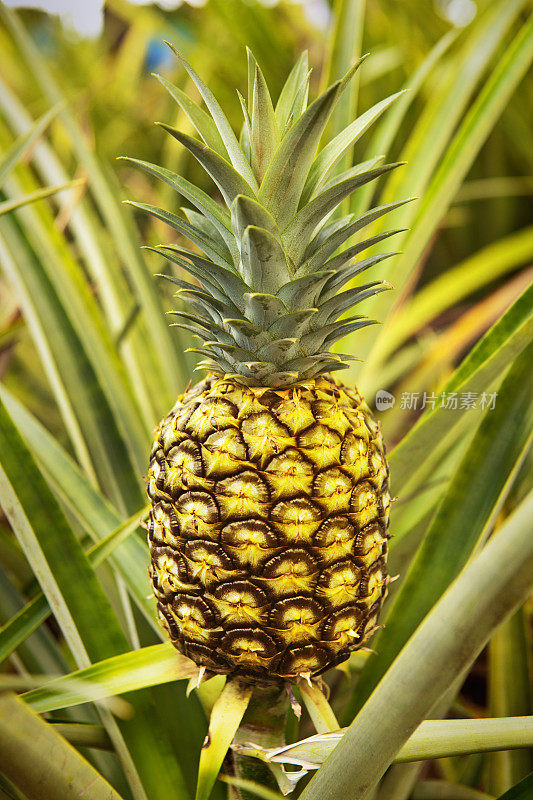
(268,305)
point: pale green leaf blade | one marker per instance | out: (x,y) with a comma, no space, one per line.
(323,246)
(46,538)
(95,514)
(299,230)
(215,213)
(456,160)
(17,630)
(427,143)
(209,245)
(445,738)
(344,49)
(83,734)
(162,354)
(384,135)
(459,156)
(138,669)
(454,285)
(432,739)
(90,422)
(103,266)
(28,619)
(318,708)
(226,716)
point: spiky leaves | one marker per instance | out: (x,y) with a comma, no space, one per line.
(263,302)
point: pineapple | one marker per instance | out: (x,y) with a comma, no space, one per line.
(268,480)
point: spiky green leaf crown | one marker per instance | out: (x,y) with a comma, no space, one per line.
(267,305)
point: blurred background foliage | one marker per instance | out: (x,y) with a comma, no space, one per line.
(86,351)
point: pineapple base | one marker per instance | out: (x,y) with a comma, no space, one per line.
(269,526)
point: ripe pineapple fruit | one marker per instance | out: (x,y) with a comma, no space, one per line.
(268,480)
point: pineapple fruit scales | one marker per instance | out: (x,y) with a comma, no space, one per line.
(268,479)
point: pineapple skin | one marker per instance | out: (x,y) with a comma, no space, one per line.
(269,526)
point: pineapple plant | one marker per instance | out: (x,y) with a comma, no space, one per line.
(99,376)
(268,479)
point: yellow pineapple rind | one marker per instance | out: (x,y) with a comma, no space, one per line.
(269,526)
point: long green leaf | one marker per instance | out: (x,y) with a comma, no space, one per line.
(342,50)
(382,139)
(102,264)
(212,210)
(334,150)
(41,652)
(294,88)
(447,103)
(40,762)
(83,734)
(432,739)
(129,672)
(212,247)
(88,417)
(22,625)
(428,145)
(80,308)
(466,514)
(300,229)
(201,121)
(230,182)
(264,135)
(39,194)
